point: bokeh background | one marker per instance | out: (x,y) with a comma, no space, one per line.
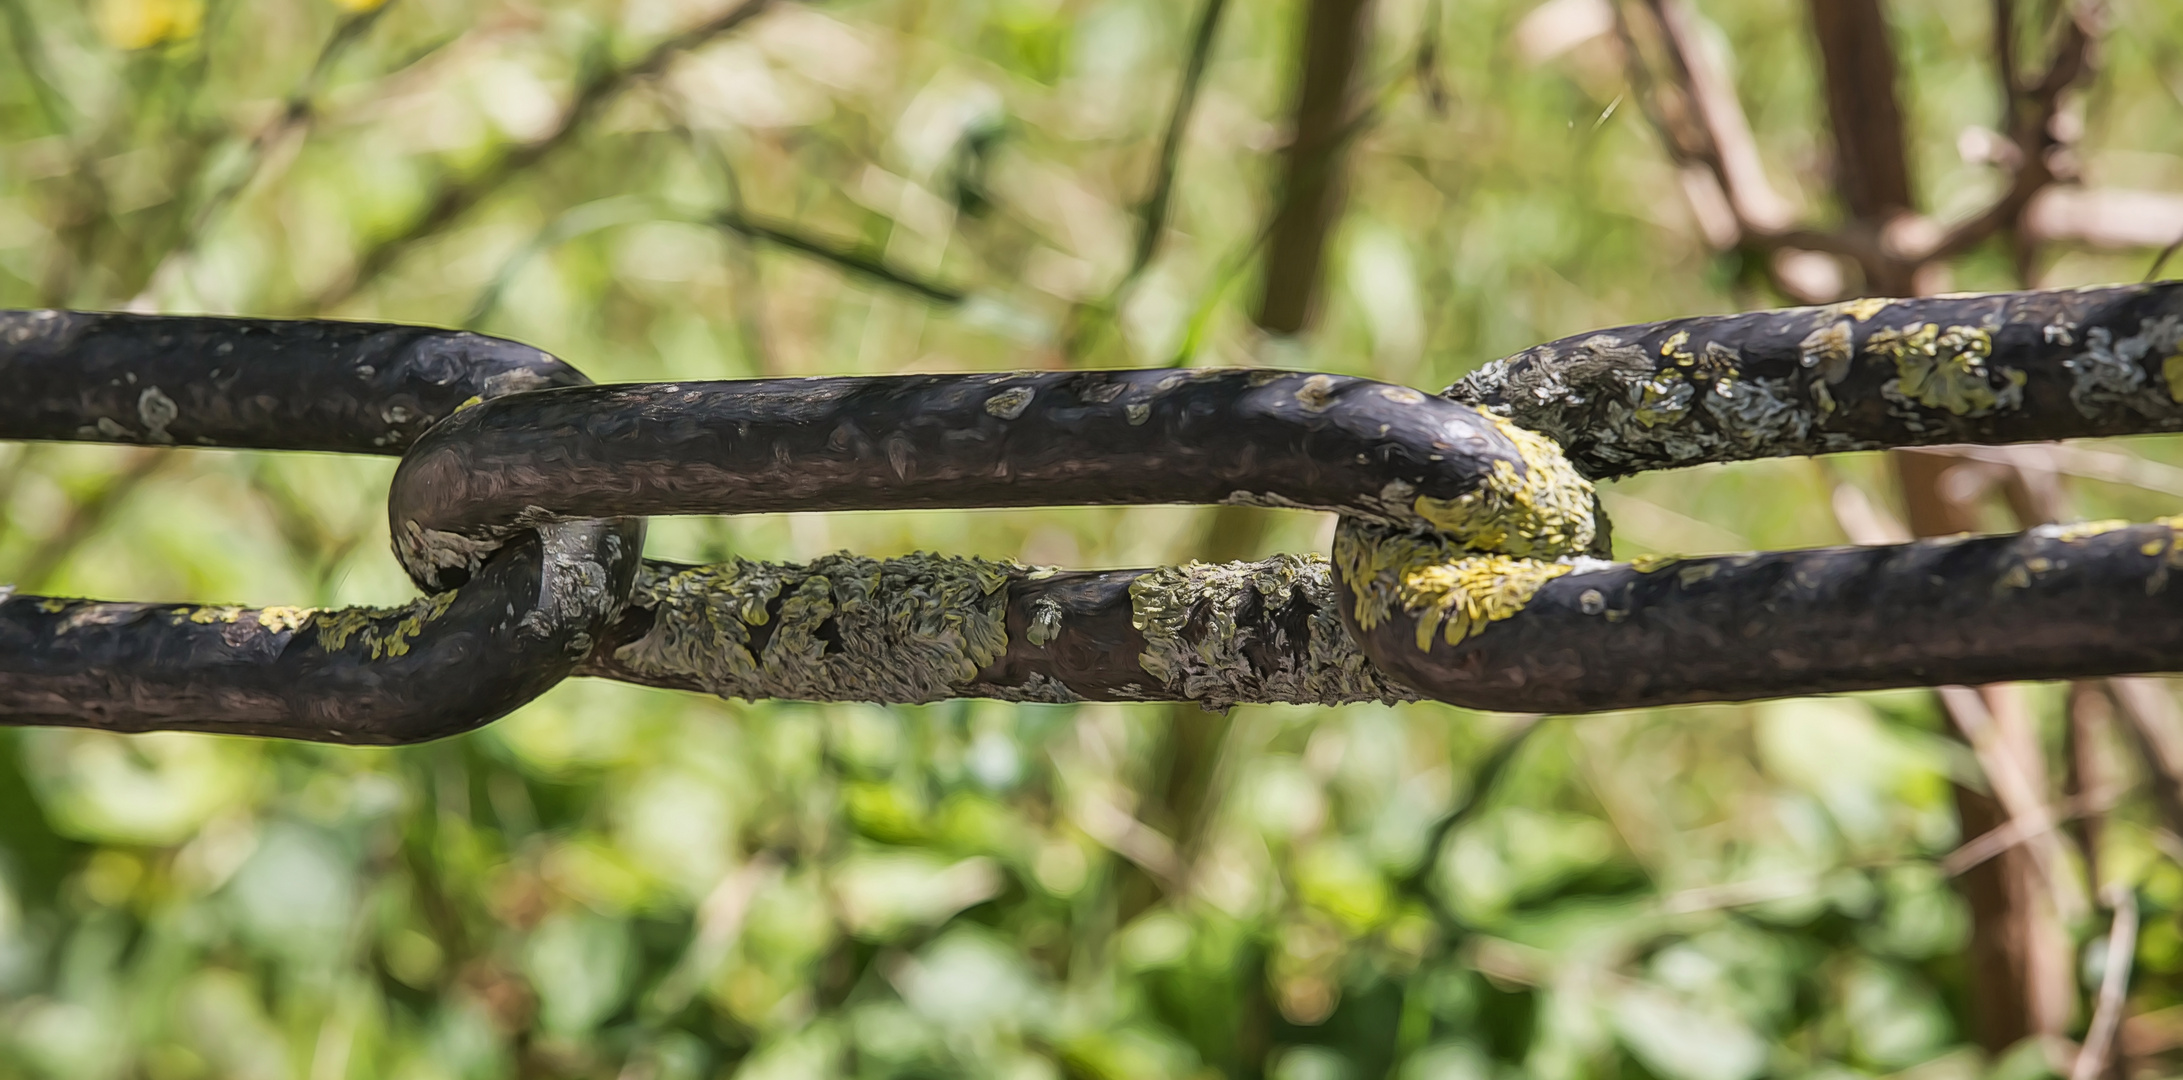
(622,882)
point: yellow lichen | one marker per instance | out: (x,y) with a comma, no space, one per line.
(2171,369)
(278,619)
(2082,529)
(1673,349)
(1542,511)
(1448,589)
(273,619)
(1697,570)
(1864,307)
(1719,363)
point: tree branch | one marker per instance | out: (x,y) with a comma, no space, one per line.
(1331,45)
(2122,939)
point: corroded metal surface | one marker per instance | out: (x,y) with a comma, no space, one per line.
(437,666)
(1361,448)
(2051,603)
(1860,375)
(265,384)
(1463,568)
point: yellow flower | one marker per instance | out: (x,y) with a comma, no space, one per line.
(141,24)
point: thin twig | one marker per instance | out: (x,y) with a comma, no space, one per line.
(2154,722)
(457,198)
(297,112)
(2070,63)
(568,225)
(2122,939)
(2161,260)
(2013,788)
(750,304)
(1152,213)
(1120,832)
(1703,124)
(2103,465)
(862,262)
(2014,832)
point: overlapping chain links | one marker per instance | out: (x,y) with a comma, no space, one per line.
(1468,564)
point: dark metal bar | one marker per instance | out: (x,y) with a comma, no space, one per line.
(1452,520)
(1362,448)
(262,384)
(440,665)
(926,627)
(2058,602)
(2051,603)
(1860,375)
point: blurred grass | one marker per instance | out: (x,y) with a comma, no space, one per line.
(622,882)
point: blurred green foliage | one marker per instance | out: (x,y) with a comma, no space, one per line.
(622,882)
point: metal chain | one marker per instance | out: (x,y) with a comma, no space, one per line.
(1466,565)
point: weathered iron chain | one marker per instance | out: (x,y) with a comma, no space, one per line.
(1466,564)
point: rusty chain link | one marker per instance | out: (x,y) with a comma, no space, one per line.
(1468,563)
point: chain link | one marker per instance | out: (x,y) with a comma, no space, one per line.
(1468,563)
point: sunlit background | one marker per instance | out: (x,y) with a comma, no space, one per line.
(622,882)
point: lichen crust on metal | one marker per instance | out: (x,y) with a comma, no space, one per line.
(924,627)
(1361,448)
(439,665)
(1467,564)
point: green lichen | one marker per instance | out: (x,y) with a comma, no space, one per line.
(1009,403)
(2114,371)
(1045,622)
(1544,509)
(841,628)
(1203,642)
(369,625)
(1946,370)
(1622,410)
(1663,399)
